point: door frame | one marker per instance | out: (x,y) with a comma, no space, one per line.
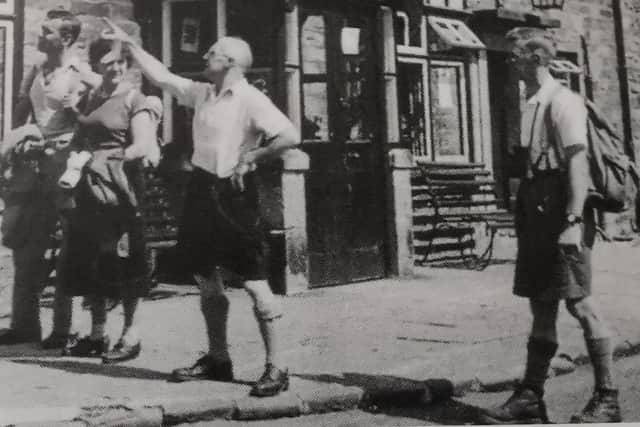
(336,138)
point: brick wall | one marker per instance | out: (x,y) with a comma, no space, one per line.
(89,12)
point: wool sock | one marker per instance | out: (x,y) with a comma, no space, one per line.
(97,331)
(539,355)
(601,354)
(216,311)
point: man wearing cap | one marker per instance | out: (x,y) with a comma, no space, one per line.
(221,223)
(33,199)
(555,227)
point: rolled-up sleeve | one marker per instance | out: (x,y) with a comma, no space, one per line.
(570,118)
(266,117)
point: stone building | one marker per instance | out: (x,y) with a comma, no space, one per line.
(374,86)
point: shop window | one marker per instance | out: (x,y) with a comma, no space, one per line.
(190,35)
(315,126)
(412,101)
(446,33)
(448,102)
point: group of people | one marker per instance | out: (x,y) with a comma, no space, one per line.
(103,129)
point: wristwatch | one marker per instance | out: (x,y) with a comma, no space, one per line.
(573,219)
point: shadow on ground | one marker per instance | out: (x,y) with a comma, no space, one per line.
(428,400)
(113,371)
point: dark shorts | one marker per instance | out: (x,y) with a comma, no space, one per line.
(544,271)
(222,227)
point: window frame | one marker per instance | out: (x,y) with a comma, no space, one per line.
(463,108)
(456,33)
(7,101)
(407,49)
(424,62)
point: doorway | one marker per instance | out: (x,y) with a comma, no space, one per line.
(342,134)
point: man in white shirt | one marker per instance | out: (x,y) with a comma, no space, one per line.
(555,226)
(33,199)
(221,223)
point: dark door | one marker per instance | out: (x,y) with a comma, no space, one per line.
(341,133)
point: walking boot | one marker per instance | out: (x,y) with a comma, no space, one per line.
(603,407)
(524,406)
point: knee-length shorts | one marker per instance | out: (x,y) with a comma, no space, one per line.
(544,270)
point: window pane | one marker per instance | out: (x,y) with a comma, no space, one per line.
(314,58)
(357,99)
(446,119)
(190,33)
(412,109)
(457,4)
(316,117)
(315,121)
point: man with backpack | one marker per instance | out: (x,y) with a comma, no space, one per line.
(555,227)
(33,199)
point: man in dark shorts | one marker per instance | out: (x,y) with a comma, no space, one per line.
(555,228)
(221,225)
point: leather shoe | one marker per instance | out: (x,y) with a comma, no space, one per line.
(12,337)
(122,352)
(58,340)
(603,407)
(206,368)
(86,347)
(524,406)
(272,382)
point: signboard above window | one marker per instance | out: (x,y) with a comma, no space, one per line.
(451,33)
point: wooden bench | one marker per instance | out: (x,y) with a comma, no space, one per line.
(450,200)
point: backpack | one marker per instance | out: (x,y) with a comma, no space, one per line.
(614,177)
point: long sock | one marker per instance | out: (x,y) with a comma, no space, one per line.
(130,334)
(539,355)
(601,354)
(215,309)
(98,318)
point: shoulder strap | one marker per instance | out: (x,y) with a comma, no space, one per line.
(552,142)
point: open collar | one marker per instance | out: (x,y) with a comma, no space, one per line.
(543,95)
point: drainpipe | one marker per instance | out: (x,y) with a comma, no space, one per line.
(623,78)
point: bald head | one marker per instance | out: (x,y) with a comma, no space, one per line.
(534,40)
(236,49)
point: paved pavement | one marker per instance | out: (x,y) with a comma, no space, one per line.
(346,346)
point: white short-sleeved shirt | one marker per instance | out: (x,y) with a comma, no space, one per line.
(568,114)
(229,124)
(46,96)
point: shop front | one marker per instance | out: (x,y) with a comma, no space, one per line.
(326,64)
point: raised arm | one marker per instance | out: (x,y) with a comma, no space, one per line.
(152,68)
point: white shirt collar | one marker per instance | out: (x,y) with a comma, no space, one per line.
(545,92)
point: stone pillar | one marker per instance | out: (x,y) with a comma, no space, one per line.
(295,164)
(485,109)
(296,274)
(400,162)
